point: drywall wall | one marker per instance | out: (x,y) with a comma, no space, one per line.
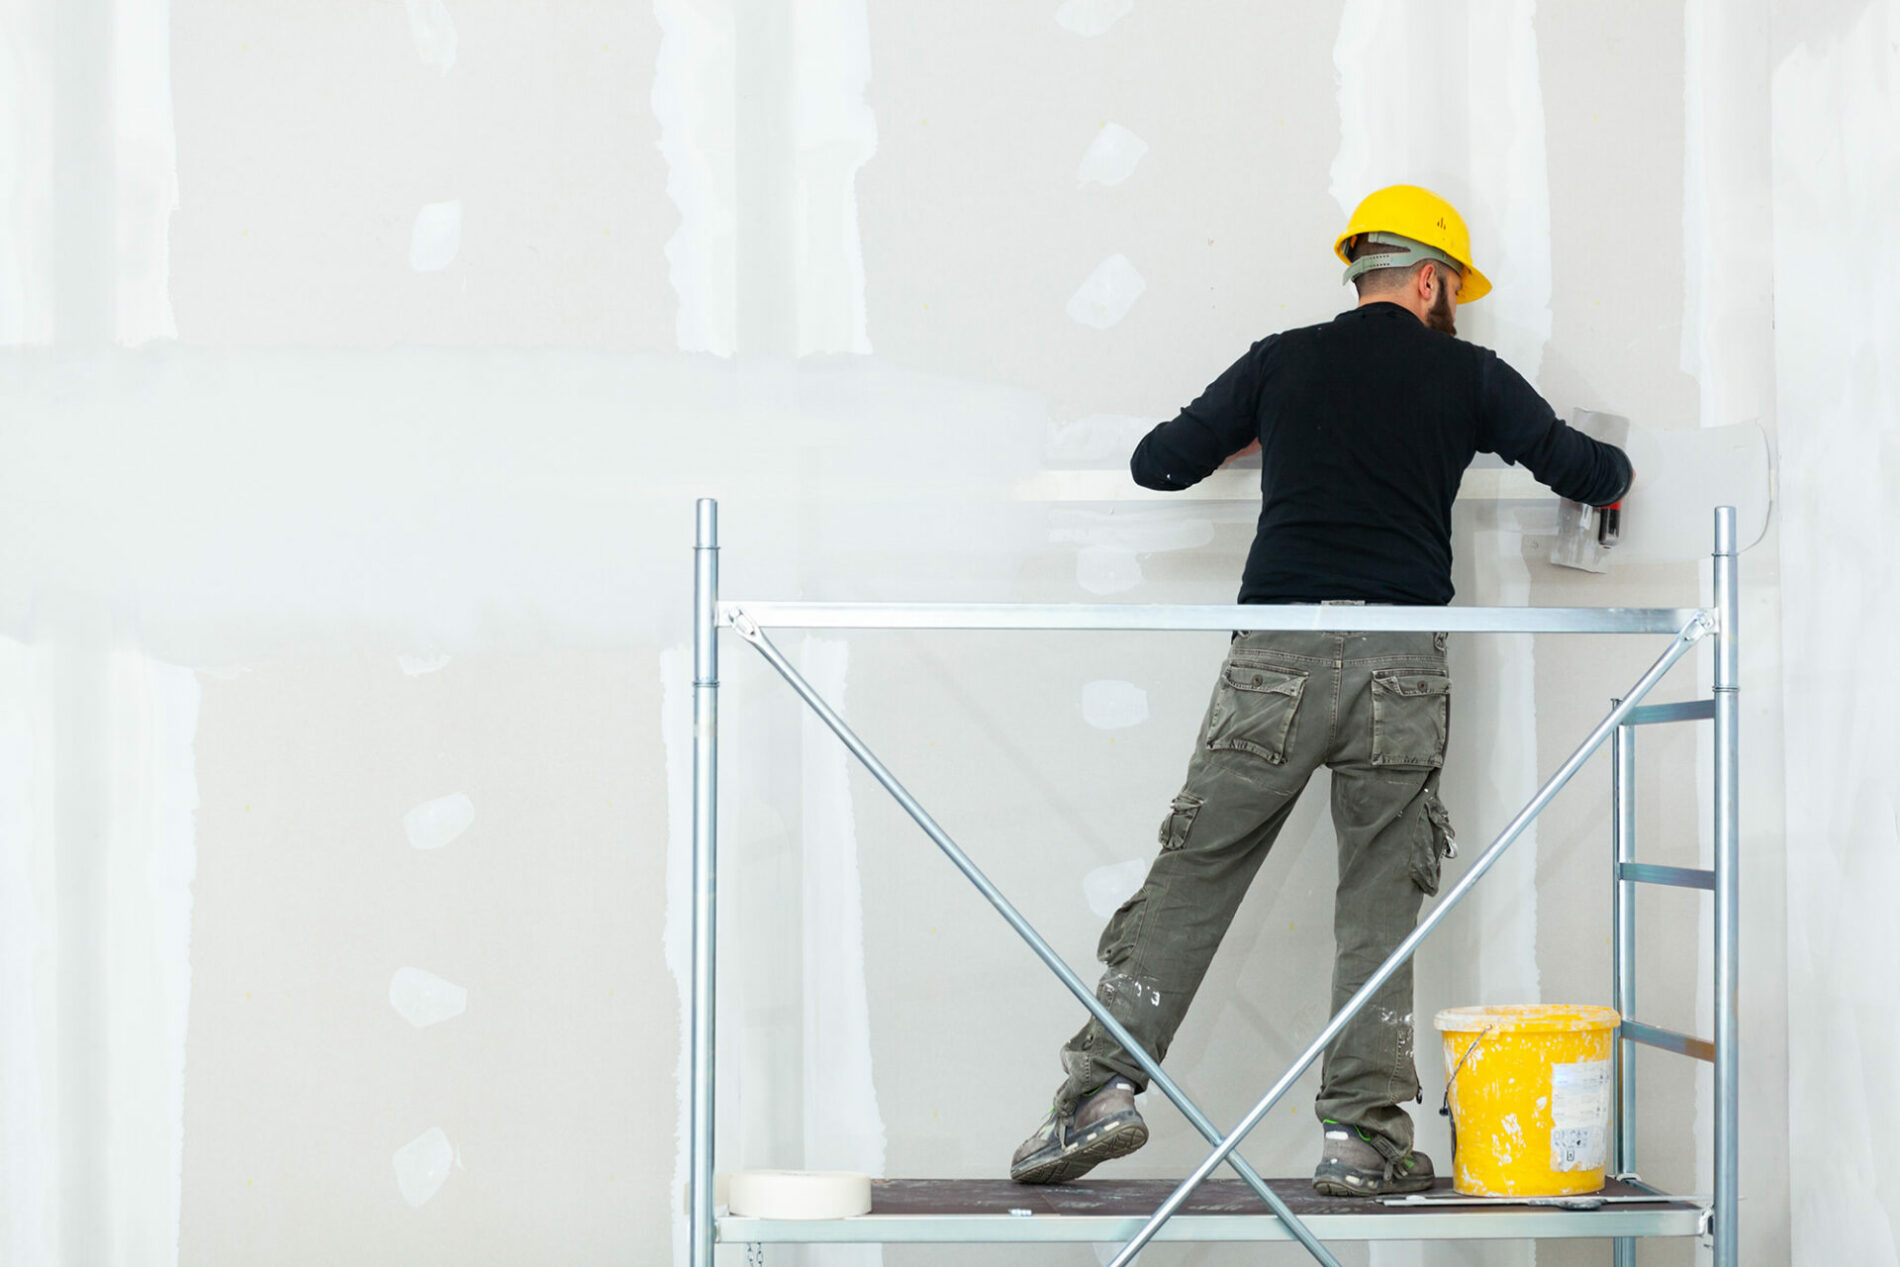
(362,363)
(1836,95)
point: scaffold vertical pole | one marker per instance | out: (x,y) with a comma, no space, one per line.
(1623,952)
(1727,794)
(705,870)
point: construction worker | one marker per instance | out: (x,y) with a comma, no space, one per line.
(1365,425)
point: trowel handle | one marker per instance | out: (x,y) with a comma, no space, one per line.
(1610,524)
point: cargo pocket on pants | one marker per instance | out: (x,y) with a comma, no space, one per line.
(1432,843)
(1180,820)
(1411,716)
(1253,710)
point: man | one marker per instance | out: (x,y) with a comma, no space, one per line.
(1365,426)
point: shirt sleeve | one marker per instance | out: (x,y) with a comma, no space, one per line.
(1223,420)
(1519,426)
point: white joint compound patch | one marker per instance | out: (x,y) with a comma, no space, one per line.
(1106,570)
(422,1165)
(1111,157)
(1092,17)
(1106,888)
(1096,439)
(417,665)
(1109,704)
(434,824)
(437,236)
(1579,1114)
(434,32)
(424,999)
(1110,291)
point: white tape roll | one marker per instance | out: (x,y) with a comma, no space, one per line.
(799,1194)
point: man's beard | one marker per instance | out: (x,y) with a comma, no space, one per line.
(1440,316)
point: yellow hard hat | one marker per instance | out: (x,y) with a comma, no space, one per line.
(1424,217)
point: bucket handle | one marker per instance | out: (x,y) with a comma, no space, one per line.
(1444,1108)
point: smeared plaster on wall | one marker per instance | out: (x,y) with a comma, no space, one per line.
(1107,294)
(1111,157)
(1090,18)
(151,860)
(693,101)
(676,731)
(1113,705)
(145,173)
(29,1016)
(434,33)
(1147,529)
(1106,888)
(1099,439)
(1112,541)
(435,823)
(834,133)
(422,1165)
(437,236)
(418,665)
(424,999)
(26,174)
(843,1128)
(1835,110)
(1107,569)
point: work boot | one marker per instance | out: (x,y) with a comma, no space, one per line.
(1103,1125)
(1356,1163)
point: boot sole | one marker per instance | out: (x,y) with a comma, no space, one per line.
(1336,1186)
(1109,1141)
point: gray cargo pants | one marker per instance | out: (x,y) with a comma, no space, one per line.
(1374,708)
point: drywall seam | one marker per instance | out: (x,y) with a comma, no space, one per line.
(834,133)
(29,980)
(1835,108)
(27,63)
(1483,147)
(693,100)
(145,169)
(843,1128)
(152,860)
(676,734)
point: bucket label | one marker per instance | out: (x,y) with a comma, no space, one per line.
(1579,1114)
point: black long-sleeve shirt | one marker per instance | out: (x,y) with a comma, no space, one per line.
(1366,425)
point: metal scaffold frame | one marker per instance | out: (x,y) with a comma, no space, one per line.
(1623,1223)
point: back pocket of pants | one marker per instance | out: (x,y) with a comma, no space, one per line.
(1253,710)
(1411,716)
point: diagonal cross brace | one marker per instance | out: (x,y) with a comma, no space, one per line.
(750,631)
(1702,625)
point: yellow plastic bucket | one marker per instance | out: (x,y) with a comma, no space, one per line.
(1530,1091)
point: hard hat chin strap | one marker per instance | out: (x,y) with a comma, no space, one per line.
(1402,252)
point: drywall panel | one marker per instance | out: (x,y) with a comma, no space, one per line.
(444,172)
